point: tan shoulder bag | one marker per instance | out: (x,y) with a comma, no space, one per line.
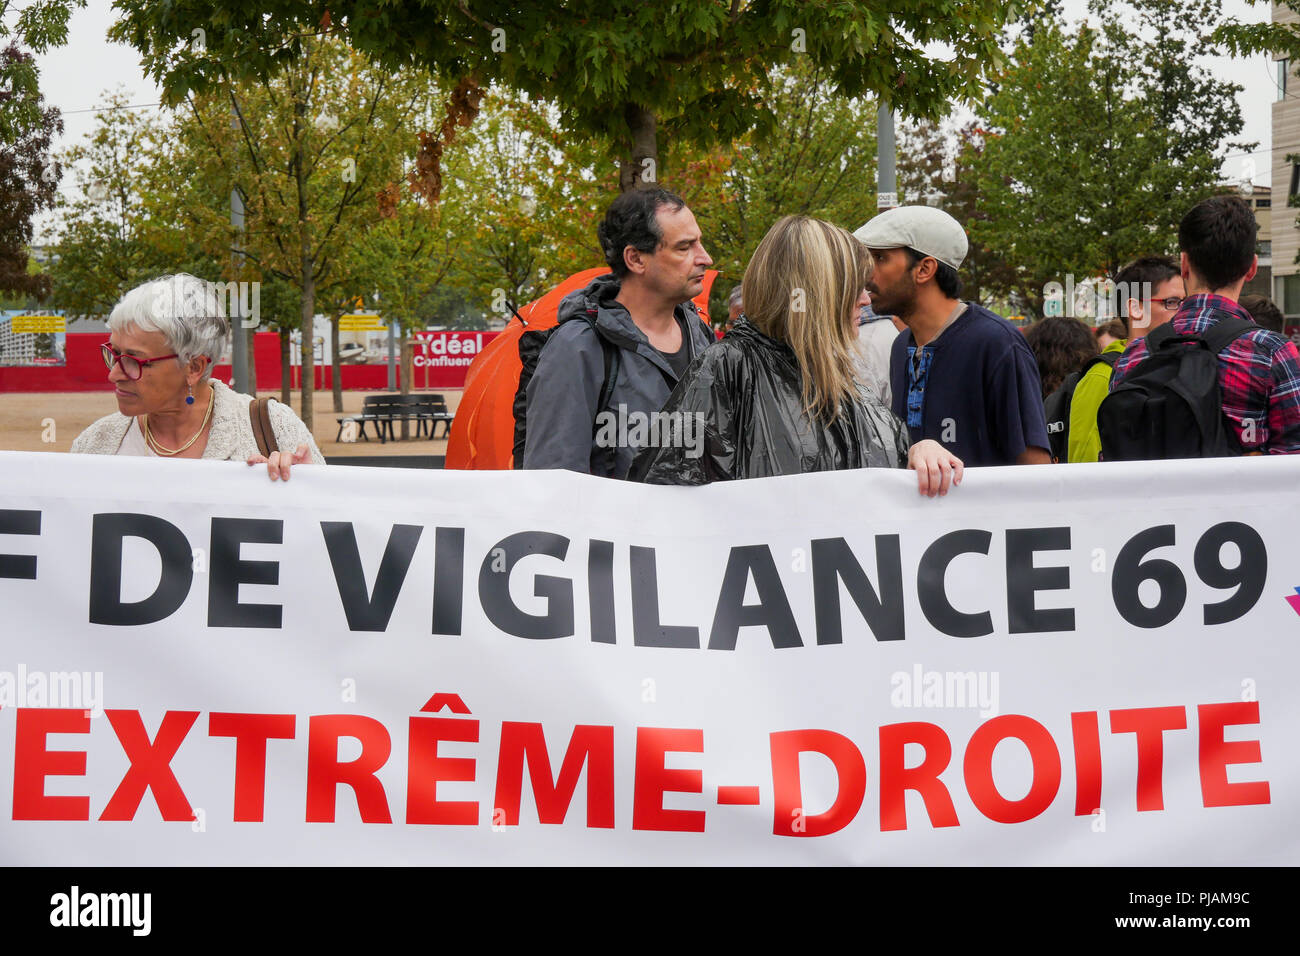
(259,412)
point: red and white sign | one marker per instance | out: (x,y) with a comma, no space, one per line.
(1050,665)
(443,358)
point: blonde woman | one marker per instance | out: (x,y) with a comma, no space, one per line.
(779,395)
(164,338)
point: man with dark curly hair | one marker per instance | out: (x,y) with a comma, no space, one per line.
(643,310)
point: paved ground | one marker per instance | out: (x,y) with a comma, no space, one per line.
(49,421)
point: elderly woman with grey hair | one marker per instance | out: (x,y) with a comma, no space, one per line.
(165,336)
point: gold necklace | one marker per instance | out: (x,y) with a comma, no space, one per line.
(161,449)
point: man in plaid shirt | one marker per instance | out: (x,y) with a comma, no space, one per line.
(1259,373)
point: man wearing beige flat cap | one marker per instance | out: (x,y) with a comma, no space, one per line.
(960,374)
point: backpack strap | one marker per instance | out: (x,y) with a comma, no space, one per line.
(259,414)
(1226,331)
(1105,358)
(612,360)
(611,354)
(1216,338)
(1157,336)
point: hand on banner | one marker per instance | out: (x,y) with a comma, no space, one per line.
(278,465)
(936,467)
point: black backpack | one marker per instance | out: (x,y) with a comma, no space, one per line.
(1057,406)
(1170,405)
(530,350)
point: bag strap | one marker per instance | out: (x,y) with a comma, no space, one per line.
(1069,384)
(609,352)
(1157,336)
(1226,331)
(1216,338)
(610,357)
(1105,358)
(259,414)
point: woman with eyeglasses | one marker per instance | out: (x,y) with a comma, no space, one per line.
(165,336)
(781,393)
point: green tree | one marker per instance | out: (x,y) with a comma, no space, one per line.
(35,27)
(630,72)
(1245,39)
(528,198)
(131,218)
(311,150)
(28,177)
(817,159)
(403,259)
(936,163)
(450,307)
(1199,110)
(408,254)
(1081,163)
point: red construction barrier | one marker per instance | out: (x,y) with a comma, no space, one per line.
(442,360)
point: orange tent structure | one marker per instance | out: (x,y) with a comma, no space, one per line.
(483,432)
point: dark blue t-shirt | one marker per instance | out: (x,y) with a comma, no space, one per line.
(974,389)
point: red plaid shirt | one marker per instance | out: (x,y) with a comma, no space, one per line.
(1259,376)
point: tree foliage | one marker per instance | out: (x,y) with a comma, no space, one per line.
(1095,143)
(529,198)
(936,163)
(132,217)
(817,159)
(28,178)
(313,150)
(39,25)
(626,71)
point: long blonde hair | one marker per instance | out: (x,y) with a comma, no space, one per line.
(801,288)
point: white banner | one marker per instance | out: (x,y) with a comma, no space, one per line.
(1086,664)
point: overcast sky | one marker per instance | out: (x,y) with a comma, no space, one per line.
(74,78)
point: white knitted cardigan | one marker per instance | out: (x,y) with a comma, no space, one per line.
(230,438)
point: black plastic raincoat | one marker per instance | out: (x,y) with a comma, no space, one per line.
(744,398)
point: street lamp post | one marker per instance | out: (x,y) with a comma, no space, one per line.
(886,158)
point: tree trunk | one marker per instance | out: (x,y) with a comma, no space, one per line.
(308,383)
(641,171)
(305,262)
(335,365)
(286,366)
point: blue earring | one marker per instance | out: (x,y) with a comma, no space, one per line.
(189,399)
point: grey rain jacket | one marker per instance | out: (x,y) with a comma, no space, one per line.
(747,393)
(565,387)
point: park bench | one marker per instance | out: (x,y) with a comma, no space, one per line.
(376,409)
(434,410)
(383,410)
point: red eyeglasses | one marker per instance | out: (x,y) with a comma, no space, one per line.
(132,367)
